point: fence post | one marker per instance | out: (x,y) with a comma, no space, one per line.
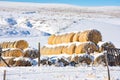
(106,60)
(39,54)
(4,75)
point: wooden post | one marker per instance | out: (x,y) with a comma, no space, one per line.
(4,75)
(105,53)
(39,54)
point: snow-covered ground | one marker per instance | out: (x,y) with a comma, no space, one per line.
(34,22)
(59,73)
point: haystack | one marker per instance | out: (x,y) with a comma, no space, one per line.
(22,63)
(13,53)
(83,47)
(69,37)
(105,44)
(71,49)
(76,37)
(65,49)
(30,53)
(90,35)
(51,38)
(64,38)
(22,44)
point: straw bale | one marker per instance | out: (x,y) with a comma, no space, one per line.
(54,40)
(90,35)
(22,63)
(22,44)
(69,37)
(105,44)
(64,38)
(58,50)
(82,48)
(76,37)
(65,49)
(71,49)
(30,53)
(11,61)
(51,38)
(58,40)
(15,53)
(100,60)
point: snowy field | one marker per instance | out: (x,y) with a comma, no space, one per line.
(59,73)
(35,22)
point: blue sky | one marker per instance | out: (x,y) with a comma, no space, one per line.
(76,2)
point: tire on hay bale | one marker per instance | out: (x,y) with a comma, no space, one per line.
(105,44)
(51,38)
(76,37)
(30,53)
(83,47)
(90,35)
(22,44)
(71,49)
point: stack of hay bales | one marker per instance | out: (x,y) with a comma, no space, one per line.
(14,50)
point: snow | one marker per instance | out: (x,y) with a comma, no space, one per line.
(35,22)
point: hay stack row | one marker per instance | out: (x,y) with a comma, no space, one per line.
(85,36)
(22,44)
(70,49)
(77,48)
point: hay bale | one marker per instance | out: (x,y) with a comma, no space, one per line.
(90,35)
(58,39)
(51,38)
(100,60)
(64,38)
(30,53)
(69,37)
(83,47)
(22,63)
(71,49)
(14,53)
(105,44)
(65,49)
(22,44)
(76,37)
(85,60)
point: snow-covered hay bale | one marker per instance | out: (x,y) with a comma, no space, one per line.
(83,47)
(64,38)
(22,44)
(30,53)
(16,52)
(105,44)
(76,37)
(22,62)
(65,49)
(71,49)
(100,60)
(51,38)
(90,35)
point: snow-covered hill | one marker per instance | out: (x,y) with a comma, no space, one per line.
(35,20)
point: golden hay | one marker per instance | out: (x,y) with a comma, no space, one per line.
(64,38)
(82,48)
(13,53)
(58,39)
(22,44)
(105,44)
(90,35)
(51,38)
(76,37)
(69,37)
(65,49)
(71,49)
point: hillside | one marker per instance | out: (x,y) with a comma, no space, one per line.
(41,20)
